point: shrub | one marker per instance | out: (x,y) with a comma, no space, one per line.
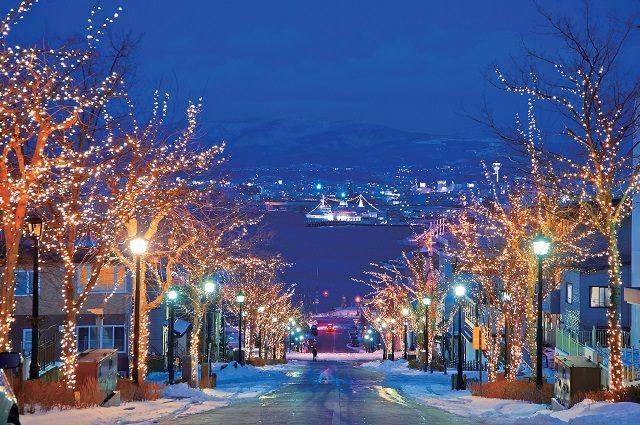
(35,395)
(631,393)
(414,364)
(257,362)
(276,361)
(518,390)
(141,392)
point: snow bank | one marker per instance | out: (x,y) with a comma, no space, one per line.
(434,390)
(589,412)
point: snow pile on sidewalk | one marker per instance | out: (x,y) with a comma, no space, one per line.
(434,390)
(589,412)
(178,400)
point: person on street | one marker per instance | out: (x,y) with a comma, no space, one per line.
(315,354)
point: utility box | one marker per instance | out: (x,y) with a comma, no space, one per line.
(101,365)
(574,375)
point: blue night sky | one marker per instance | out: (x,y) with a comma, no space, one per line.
(411,65)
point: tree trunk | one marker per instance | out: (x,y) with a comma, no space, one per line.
(616,381)
(69,356)
(12,244)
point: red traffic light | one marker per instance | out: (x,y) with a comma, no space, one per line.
(325,293)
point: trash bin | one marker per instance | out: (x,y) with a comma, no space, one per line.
(101,365)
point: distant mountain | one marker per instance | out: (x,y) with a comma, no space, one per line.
(341,143)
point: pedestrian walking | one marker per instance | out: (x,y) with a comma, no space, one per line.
(315,354)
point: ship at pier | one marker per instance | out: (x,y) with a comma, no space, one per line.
(354,211)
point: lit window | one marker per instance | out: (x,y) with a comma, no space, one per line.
(569,293)
(599,296)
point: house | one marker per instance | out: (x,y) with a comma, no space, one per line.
(103,321)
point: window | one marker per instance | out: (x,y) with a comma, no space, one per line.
(26,341)
(599,296)
(114,337)
(569,293)
(111,279)
(24,282)
(87,337)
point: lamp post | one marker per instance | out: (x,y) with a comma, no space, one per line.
(506,297)
(240,301)
(35,228)
(138,247)
(393,340)
(383,327)
(541,245)
(209,290)
(460,291)
(274,321)
(405,315)
(172,296)
(260,311)
(427,302)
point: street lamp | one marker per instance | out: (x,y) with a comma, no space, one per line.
(393,339)
(405,315)
(172,296)
(209,289)
(541,245)
(260,311)
(35,228)
(138,247)
(240,301)
(427,302)
(460,292)
(506,297)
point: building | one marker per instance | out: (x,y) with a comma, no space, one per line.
(102,322)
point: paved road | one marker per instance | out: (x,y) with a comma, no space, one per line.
(328,393)
(336,341)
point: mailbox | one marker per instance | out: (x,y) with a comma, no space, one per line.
(574,375)
(101,365)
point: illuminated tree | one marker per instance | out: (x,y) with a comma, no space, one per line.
(257,278)
(45,96)
(394,290)
(493,247)
(599,114)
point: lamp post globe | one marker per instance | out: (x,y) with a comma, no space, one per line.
(209,287)
(541,245)
(138,245)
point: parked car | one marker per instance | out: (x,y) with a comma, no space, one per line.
(8,403)
(355,342)
(330,328)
